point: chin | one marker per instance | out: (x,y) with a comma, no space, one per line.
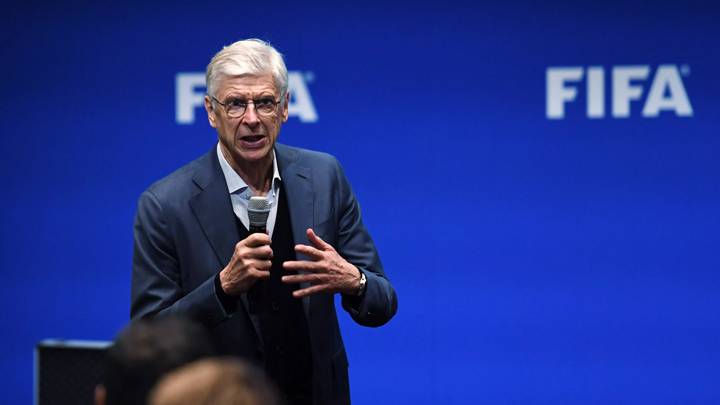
(255,155)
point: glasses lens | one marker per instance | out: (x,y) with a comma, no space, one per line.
(236,108)
(265,106)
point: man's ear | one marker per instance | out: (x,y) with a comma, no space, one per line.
(285,109)
(210,112)
(100,395)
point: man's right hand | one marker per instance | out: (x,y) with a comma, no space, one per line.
(250,262)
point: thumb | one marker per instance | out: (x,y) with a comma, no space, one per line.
(317,242)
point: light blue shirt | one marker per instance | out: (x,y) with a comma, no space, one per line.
(240,193)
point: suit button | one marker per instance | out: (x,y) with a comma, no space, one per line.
(275,306)
(280,350)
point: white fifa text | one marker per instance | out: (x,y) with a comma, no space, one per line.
(190,92)
(666,92)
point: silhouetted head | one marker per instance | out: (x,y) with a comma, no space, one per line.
(143,352)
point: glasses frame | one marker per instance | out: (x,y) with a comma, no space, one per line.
(247,103)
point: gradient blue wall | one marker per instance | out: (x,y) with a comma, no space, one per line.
(537,261)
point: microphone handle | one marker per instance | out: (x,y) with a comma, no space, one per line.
(257,229)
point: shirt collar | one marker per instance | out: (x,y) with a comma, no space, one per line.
(235,183)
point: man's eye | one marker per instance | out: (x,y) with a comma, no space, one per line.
(236,102)
(264,102)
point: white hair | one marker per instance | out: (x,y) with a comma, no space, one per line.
(247,57)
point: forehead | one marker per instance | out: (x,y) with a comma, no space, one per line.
(247,85)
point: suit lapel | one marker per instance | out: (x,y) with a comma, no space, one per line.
(297,182)
(213,210)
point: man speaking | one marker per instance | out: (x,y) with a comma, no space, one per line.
(254,238)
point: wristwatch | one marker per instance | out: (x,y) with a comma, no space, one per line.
(363,283)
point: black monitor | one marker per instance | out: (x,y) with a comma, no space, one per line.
(67,371)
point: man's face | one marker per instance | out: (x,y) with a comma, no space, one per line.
(250,137)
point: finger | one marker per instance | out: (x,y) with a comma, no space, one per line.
(257,239)
(263,265)
(310,290)
(301,265)
(310,252)
(317,241)
(312,278)
(262,252)
(260,274)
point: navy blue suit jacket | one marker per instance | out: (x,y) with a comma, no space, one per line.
(185,233)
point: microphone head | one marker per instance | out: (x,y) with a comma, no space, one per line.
(258,211)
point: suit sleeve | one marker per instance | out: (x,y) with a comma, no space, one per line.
(379,303)
(156,288)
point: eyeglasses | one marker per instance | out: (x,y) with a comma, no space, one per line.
(236,107)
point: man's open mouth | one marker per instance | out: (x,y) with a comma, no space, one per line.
(252,138)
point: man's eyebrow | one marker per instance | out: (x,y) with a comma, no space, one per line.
(245,97)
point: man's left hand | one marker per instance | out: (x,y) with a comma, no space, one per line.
(326,271)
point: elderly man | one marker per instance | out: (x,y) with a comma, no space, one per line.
(267,297)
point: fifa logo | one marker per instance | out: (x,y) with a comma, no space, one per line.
(190,90)
(627,87)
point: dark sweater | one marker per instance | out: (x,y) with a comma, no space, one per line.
(285,335)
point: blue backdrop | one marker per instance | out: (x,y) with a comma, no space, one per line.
(537,259)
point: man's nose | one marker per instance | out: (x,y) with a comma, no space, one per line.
(250,117)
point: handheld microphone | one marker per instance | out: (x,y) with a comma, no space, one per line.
(258,212)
